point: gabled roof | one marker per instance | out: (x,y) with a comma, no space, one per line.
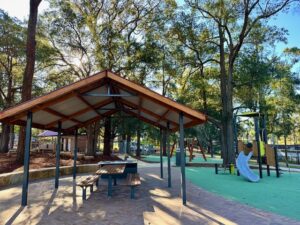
(99,96)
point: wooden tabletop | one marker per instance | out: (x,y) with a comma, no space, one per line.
(111,169)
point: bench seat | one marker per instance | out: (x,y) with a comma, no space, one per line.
(88,182)
(133,180)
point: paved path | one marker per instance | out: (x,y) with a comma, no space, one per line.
(155,205)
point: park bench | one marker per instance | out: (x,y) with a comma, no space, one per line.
(133,180)
(88,182)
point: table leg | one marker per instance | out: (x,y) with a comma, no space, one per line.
(115,181)
(109,193)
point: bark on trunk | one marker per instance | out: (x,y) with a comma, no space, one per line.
(29,70)
(107,137)
(4,141)
(128,142)
(164,143)
(138,149)
(227,114)
(12,137)
(91,140)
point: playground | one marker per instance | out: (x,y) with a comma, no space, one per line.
(157,112)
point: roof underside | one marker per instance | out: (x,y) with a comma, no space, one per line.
(97,97)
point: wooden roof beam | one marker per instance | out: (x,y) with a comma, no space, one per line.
(53,102)
(163,116)
(130,104)
(129,88)
(78,113)
(55,113)
(144,119)
(87,103)
(109,113)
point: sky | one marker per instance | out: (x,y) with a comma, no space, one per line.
(290,21)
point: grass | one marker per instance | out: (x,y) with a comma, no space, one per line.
(277,195)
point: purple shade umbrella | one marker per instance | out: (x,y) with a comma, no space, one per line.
(48,133)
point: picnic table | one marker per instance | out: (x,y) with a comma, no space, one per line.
(110,171)
(130,167)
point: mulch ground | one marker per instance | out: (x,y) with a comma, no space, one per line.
(44,160)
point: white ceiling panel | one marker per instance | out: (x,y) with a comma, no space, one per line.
(43,118)
(69,106)
(86,116)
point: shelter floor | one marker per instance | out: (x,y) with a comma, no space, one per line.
(155,204)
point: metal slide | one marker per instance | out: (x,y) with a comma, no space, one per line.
(243,167)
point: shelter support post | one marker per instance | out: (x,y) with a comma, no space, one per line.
(161,155)
(58,147)
(75,153)
(182,158)
(256,123)
(26,158)
(168,152)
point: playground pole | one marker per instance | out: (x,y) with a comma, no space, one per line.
(258,145)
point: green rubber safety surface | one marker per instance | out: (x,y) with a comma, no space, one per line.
(197,159)
(277,195)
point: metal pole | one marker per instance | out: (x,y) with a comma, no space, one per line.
(276,162)
(58,147)
(26,158)
(182,158)
(161,155)
(75,153)
(168,152)
(258,145)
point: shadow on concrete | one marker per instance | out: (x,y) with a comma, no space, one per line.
(15,215)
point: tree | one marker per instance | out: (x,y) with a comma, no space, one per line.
(29,69)
(233,22)
(12,57)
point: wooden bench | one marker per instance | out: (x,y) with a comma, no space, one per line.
(133,180)
(88,182)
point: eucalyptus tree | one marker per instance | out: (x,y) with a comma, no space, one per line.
(232,22)
(12,64)
(100,35)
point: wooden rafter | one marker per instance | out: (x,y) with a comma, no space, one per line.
(144,119)
(163,103)
(90,121)
(88,104)
(55,113)
(130,104)
(163,116)
(76,114)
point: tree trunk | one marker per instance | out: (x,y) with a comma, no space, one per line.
(227,113)
(138,145)
(164,144)
(29,70)
(90,140)
(107,137)
(12,137)
(128,142)
(4,140)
